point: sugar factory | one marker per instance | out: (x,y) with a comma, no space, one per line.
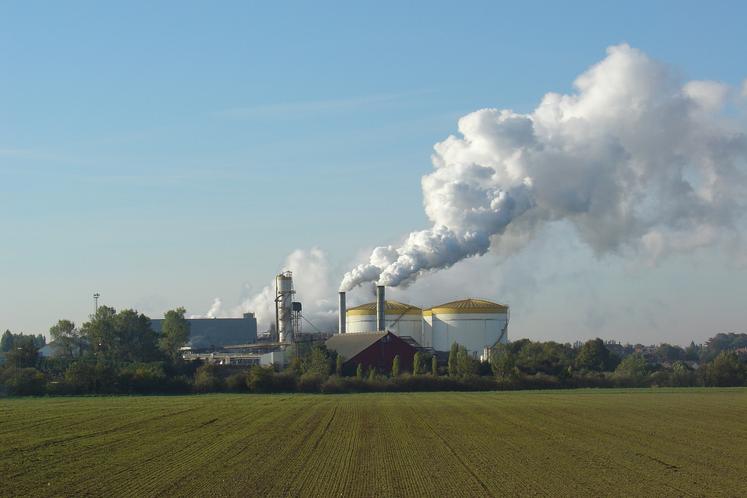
(370,334)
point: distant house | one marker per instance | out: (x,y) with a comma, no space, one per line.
(210,333)
(375,350)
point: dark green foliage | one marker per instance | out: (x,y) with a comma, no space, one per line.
(452,362)
(260,379)
(6,342)
(434,366)
(503,362)
(24,352)
(666,353)
(207,379)
(23,381)
(318,361)
(632,371)
(339,362)
(723,342)
(310,383)
(68,339)
(725,370)
(89,376)
(359,371)
(237,382)
(121,337)
(174,332)
(595,356)
(395,366)
(417,363)
(142,378)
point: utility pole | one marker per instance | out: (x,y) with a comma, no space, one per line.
(96,297)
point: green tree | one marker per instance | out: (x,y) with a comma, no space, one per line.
(124,336)
(452,364)
(725,370)
(395,366)
(339,362)
(434,366)
(24,353)
(594,356)
(417,361)
(667,353)
(682,375)
(318,361)
(6,342)
(174,332)
(633,367)
(70,342)
(23,381)
(371,374)
(359,372)
(503,362)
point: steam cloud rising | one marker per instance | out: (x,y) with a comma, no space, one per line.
(635,160)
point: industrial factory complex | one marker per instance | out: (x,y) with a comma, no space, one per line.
(370,334)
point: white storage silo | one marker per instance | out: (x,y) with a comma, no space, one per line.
(401,319)
(472,323)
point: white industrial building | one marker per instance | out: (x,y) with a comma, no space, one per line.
(476,324)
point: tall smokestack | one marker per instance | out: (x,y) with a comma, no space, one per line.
(342,312)
(380,319)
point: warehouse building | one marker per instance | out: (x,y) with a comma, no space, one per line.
(215,333)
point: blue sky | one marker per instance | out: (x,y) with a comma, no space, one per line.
(164,153)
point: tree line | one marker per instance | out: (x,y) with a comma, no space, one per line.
(119,353)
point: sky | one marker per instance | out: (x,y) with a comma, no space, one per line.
(166,154)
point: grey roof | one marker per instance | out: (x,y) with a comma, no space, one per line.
(350,345)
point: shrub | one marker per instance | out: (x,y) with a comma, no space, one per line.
(237,382)
(260,379)
(310,383)
(207,380)
(23,381)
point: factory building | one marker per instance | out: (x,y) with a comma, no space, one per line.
(372,350)
(476,324)
(217,332)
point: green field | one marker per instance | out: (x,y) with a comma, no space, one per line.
(591,443)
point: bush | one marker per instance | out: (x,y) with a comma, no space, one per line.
(260,379)
(23,381)
(310,383)
(142,378)
(207,380)
(237,382)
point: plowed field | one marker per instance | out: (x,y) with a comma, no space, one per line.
(572,443)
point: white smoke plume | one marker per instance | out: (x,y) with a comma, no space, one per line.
(634,159)
(313,287)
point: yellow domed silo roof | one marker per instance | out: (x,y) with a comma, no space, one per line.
(390,308)
(468,306)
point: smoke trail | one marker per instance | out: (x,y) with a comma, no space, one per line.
(634,160)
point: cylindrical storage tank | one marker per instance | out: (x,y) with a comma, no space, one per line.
(401,319)
(472,323)
(341,314)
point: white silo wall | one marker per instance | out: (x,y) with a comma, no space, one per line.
(402,325)
(427,330)
(474,331)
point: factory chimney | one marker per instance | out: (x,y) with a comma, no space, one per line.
(342,312)
(380,312)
